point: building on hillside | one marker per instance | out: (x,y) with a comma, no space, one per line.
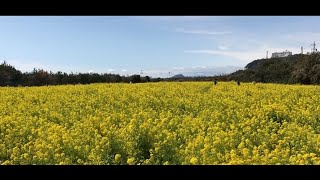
(281,54)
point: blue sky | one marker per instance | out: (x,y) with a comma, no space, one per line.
(157,45)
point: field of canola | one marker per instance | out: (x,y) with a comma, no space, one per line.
(160,123)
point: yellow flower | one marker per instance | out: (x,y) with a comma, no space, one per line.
(117,158)
(193,161)
(166,163)
(131,161)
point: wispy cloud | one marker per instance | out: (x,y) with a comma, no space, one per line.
(306,38)
(203,32)
(174,18)
(29,65)
(248,55)
(223,47)
(240,55)
(191,71)
(178,68)
(111,70)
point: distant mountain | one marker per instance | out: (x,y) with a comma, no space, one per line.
(208,71)
(178,76)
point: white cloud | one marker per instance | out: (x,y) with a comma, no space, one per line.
(124,70)
(223,47)
(191,71)
(304,37)
(91,71)
(178,68)
(240,55)
(203,32)
(248,55)
(111,70)
(174,18)
(29,65)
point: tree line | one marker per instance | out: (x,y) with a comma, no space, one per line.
(9,76)
(299,68)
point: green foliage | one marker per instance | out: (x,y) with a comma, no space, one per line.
(303,69)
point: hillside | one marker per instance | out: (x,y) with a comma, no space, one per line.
(299,68)
(178,76)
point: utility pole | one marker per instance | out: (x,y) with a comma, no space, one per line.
(267,54)
(313,49)
(301,50)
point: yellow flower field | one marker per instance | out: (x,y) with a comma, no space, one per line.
(160,123)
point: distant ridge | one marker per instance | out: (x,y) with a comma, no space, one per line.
(178,76)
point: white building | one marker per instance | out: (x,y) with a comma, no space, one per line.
(281,54)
